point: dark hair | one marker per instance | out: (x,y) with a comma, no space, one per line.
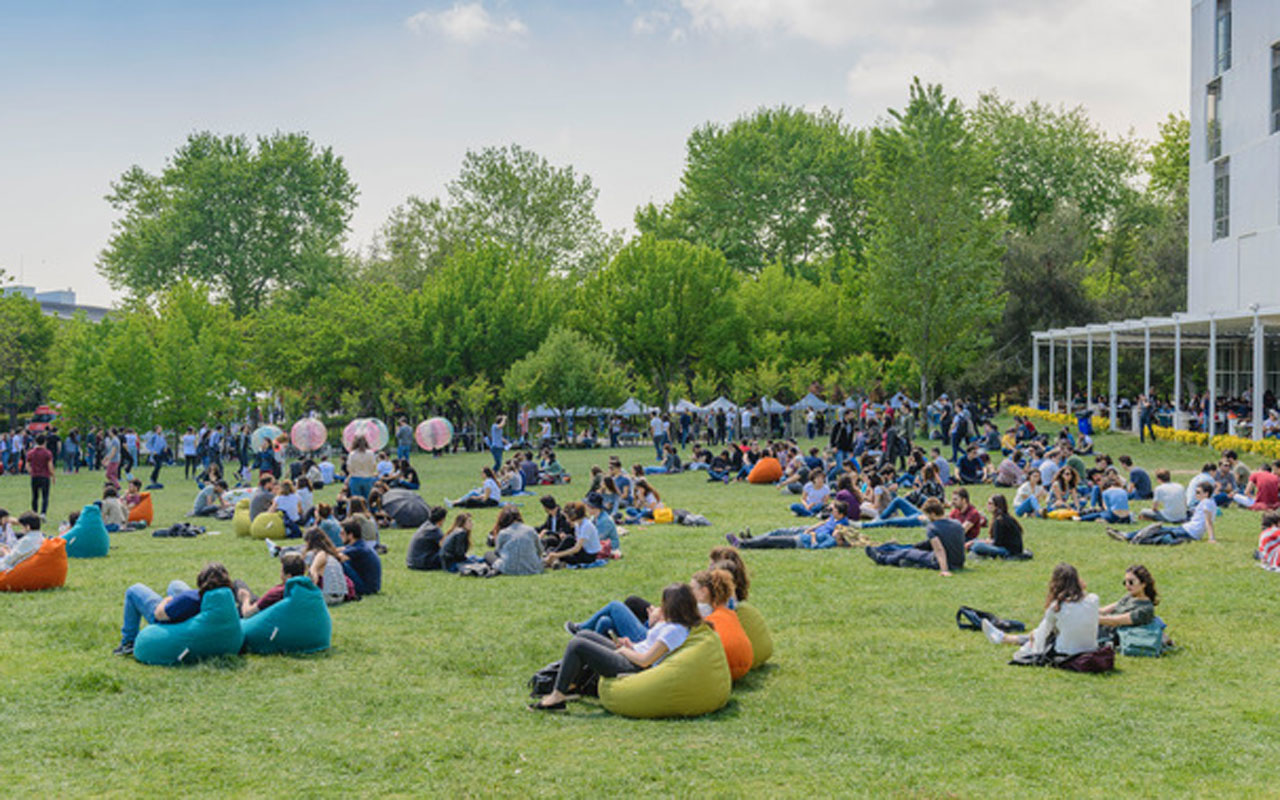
(933,507)
(508,516)
(353,527)
(317,539)
(30,520)
(841,508)
(1270,519)
(263,480)
(437,514)
(1128,462)
(680,606)
(717,582)
(962,492)
(293,564)
(729,558)
(638,606)
(213,576)
(1064,586)
(324,510)
(548,502)
(1148,583)
(1163,475)
(1000,504)
(357,505)
(574,511)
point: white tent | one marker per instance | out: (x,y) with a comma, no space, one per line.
(685,405)
(770,406)
(811,400)
(631,408)
(721,403)
(542,412)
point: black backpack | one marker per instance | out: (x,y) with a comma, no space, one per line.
(544,680)
(970,619)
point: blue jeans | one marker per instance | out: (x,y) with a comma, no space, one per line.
(912,517)
(902,555)
(658,442)
(402,452)
(1028,507)
(497,453)
(1104,515)
(987,549)
(618,618)
(659,470)
(800,511)
(639,513)
(360,487)
(140,603)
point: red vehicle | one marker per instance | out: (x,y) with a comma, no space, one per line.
(41,418)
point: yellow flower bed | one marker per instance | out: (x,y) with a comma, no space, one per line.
(1099,423)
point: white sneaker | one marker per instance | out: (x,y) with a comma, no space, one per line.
(272,548)
(448,503)
(992,632)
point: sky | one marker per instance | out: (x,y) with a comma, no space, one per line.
(401,89)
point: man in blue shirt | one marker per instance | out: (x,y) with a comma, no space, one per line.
(815,537)
(156,445)
(497,442)
(180,603)
(362,566)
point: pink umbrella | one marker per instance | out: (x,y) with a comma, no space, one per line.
(434,433)
(308,434)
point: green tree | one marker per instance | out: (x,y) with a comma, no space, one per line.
(669,306)
(25,338)
(417,238)
(474,397)
(794,320)
(196,356)
(933,256)
(244,218)
(568,370)
(782,185)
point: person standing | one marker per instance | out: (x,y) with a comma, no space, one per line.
(190,455)
(842,435)
(404,440)
(40,466)
(497,442)
(111,456)
(156,446)
(658,431)
(1146,418)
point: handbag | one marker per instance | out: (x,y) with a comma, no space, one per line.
(970,619)
(1101,660)
(1142,640)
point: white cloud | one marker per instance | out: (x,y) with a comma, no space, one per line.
(467,23)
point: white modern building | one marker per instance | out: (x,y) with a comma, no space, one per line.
(1233,269)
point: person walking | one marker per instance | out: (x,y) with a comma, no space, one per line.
(156,447)
(497,442)
(40,467)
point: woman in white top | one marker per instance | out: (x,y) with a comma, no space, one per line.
(669,627)
(362,468)
(581,548)
(1070,624)
(1031,498)
(289,505)
(325,566)
(488,495)
(646,500)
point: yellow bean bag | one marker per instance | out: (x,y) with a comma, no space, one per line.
(240,521)
(1063,513)
(268,525)
(692,681)
(766,470)
(757,631)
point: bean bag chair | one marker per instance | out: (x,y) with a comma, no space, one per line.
(766,470)
(240,520)
(88,538)
(46,568)
(144,511)
(215,631)
(752,622)
(1063,513)
(737,646)
(268,525)
(692,681)
(299,623)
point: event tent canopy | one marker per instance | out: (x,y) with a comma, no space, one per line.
(770,406)
(685,405)
(542,412)
(721,403)
(632,408)
(811,400)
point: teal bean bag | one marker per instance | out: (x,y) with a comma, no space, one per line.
(215,631)
(299,623)
(88,538)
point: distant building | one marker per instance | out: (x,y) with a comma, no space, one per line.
(60,303)
(1233,247)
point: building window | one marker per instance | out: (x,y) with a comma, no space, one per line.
(1222,38)
(1213,120)
(1275,88)
(1222,199)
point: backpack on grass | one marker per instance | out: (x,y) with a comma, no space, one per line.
(970,619)
(1142,640)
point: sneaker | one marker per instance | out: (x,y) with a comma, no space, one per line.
(994,634)
(746,532)
(571,628)
(1117,535)
(125,649)
(273,549)
(380,549)
(733,541)
(448,503)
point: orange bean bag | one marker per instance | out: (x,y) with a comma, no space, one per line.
(46,568)
(737,647)
(766,470)
(143,511)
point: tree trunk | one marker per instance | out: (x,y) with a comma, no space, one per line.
(924,402)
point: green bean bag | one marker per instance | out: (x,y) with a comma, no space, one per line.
(215,631)
(757,631)
(692,681)
(299,623)
(240,521)
(268,526)
(88,538)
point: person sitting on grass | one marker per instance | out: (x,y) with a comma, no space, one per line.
(179,604)
(1269,542)
(1136,608)
(816,537)
(292,565)
(967,514)
(1139,481)
(1198,527)
(1031,500)
(425,544)
(24,542)
(583,546)
(210,500)
(1262,492)
(516,547)
(488,495)
(605,526)
(405,476)
(969,469)
(669,627)
(457,544)
(943,549)
(550,472)
(647,501)
(1115,503)
(1064,492)
(1170,503)
(114,515)
(1010,473)
(1070,622)
(262,499)
(324,566)
(1006,533)
(555,527)
(814,496)
(362,564)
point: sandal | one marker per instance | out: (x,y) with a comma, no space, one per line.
(560,706)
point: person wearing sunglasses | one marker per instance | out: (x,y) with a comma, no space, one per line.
(1137,607)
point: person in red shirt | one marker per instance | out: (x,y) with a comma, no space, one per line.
(967,515)
(291,566)
(1263,491)
(40,467)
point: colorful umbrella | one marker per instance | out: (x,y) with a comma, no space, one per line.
(434,433)
(308,434)
(264,435)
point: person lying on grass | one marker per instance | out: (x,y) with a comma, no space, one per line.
(1070,622)
(179,604)
(943,550)
(1137,607)
(1200,526)
(816,537)
(669,627)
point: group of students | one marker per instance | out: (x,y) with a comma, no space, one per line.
(633,635)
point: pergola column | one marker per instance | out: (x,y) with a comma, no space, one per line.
(1259,371)
(1213,377)
(1112,378)
(1177,373)
(1088,368)
(1070,395)
(1146,359)
(1052,374)
(1035,373)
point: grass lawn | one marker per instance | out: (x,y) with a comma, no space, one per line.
(872,691)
